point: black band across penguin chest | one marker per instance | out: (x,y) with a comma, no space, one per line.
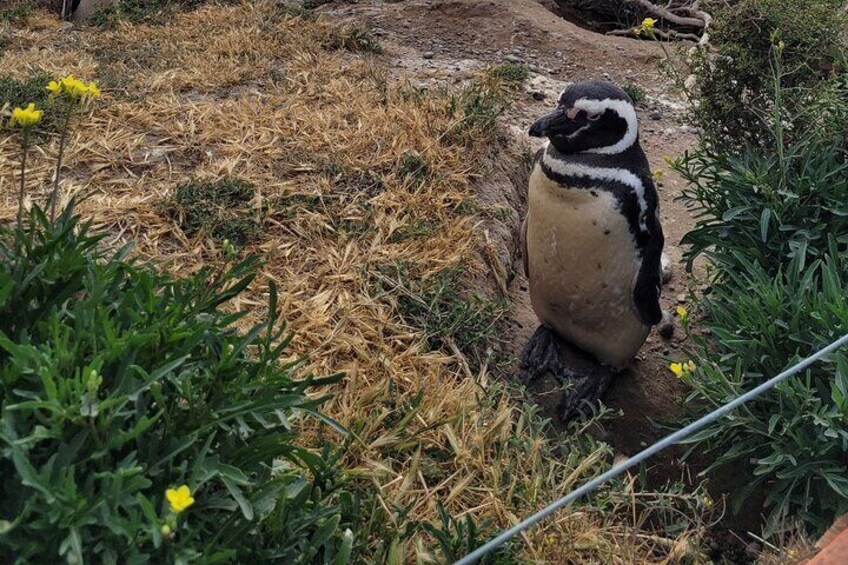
(626,197)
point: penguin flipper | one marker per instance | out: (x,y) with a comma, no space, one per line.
(648,281)
(646,297)
(545,353)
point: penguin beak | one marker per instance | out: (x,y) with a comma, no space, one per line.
(559,122)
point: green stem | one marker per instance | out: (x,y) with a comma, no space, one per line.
(24,148)
(55,195)
(679,82)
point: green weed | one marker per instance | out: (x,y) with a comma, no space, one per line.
(413,165)
(17,13)
(351,38)
(512,72)
(33,89)
(442,308)
(136,11)
(420,229)
(635,92)
(221,209)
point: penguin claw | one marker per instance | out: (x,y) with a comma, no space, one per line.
(545,353)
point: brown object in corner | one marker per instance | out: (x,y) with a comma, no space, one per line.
(833,545)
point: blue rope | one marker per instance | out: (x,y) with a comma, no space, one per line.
(670,439)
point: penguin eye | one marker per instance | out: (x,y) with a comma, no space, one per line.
(593,117)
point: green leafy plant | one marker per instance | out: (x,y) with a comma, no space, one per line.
(118,383)
(136,423)
(772,202)
(772,220)
(734,86)
(795,437)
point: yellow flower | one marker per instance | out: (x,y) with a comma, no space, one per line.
(93,90)
(26,117)
(658,174)
(682,313)
(647,27)
(74,88)
(682,369)
(179,499)
(708,502)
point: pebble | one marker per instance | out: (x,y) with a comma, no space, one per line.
(657,115)
(681,298)
(513,59)
(537,95)
(428,54)
(606,76)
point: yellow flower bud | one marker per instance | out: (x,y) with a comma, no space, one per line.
(165,530)
(682,313)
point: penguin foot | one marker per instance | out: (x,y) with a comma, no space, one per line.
(547,353)
(666,325)
(583,390)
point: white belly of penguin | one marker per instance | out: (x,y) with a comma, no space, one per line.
(582,262)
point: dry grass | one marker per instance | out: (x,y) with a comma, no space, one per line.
(342,163)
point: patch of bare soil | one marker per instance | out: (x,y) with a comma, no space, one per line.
(436,41)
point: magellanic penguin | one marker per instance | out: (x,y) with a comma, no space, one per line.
(592,238)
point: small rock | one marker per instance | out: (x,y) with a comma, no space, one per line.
(606,76)
(656,115)
(428,54)
(513,59)
(537,95)
(681,298)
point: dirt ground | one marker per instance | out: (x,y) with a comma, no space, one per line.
(429,41)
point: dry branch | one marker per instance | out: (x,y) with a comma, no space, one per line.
(694,17)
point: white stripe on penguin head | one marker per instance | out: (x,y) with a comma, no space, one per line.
(621,107)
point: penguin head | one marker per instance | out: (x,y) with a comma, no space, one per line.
(591,117)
